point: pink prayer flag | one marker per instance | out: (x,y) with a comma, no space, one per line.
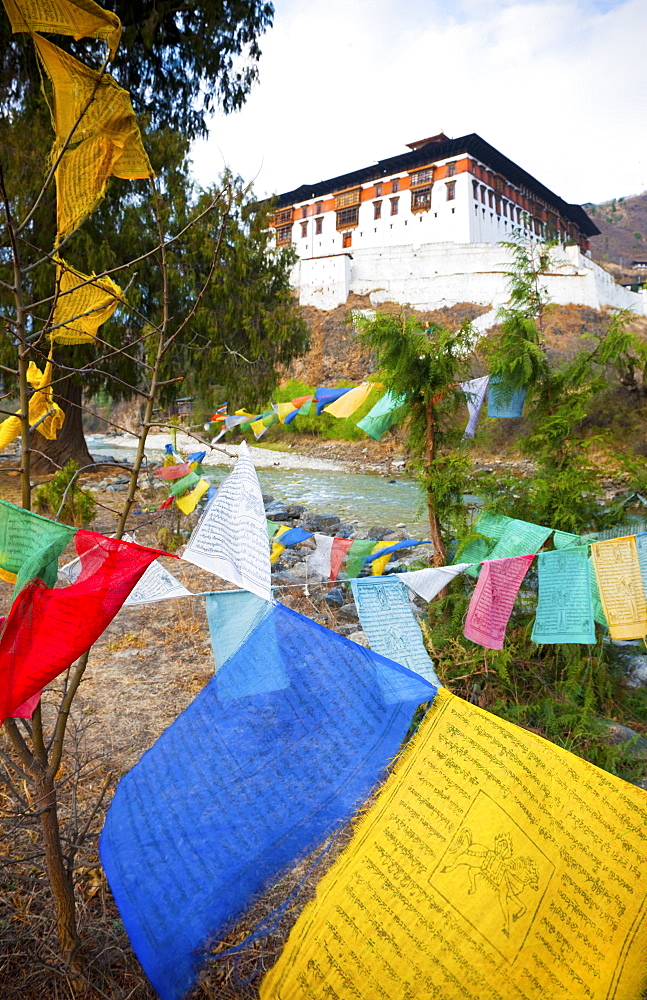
(493,600)
(173,471)
(340,547)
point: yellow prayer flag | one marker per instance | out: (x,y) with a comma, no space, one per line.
(7,576)
(106,139)
(379,565)
(79,18)
(621,589)
(40,404)
(188,502)
(493,865)
(277,548)
(346,405)
(82,306)
(284,410)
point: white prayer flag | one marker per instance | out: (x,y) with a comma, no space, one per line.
(319,560)
(230,539)
(429,582)
(475,392)
(157,584)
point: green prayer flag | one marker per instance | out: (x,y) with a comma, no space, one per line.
(183,484)
(272,528)
(383,415)
(30,544)
(359,550)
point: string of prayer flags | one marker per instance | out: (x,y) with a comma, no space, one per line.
(385,614)
(502,402)
(29,540)
(493,865)
(351,401)
(41,409)
(97,113)
(232,616)
(382,416)
(47,629)
(260,425)
(427,583)
(191,839)
(230,539)
(621,588)
(79,18)
(493,599)
(83,303)
(564,608)
(475,392)
(325,396)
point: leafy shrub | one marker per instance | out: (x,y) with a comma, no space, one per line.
(79,506)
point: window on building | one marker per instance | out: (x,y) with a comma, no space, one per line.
(304,212)
(451,169)
(490,196)
(378,190)
(394,205)
(475,190)
(377,209)
(304,229)
(519,216)
(505,208)
(347,198)
(284,235)
(395,185)
(347,240)
(318,226)
(421,199)
(348,217)
(451,190)
(498,204)
(483,193)
(421,177)
(319,208)
(283,216)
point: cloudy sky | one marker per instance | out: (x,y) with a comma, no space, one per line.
(560,88)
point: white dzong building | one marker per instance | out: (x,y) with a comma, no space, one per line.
(425,227)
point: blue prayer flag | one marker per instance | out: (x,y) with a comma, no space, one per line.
(238,788)
(408,543)
(232,615)
(294,535)
(502,402)
(325,396)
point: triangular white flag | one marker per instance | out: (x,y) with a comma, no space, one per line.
(230,539)
(157,584)
(475,392)
(429,582)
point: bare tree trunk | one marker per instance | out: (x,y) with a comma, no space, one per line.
(70,441)
(440,555)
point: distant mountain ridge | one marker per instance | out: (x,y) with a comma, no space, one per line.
(623,233)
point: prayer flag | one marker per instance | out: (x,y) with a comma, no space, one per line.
(319,560)
(427,583)
(641,550)
(230,539)
(388,548)
(357,554)
(189,501)
(184,483)
(339,551)
(351,401)
(47,629)
(83,303)
(106,140)
(382,416)
(41,409)
(293,536)
(564,608)
(232,616)
(475,392)
(192,838)
(379,558)
(494,865)
(621,588)
(385,614)
(277,545)
(502,402)
(519,538)
(173,471)
(493,599)
(304,404)
(284,410)
(79,18)
(324,396)
(30,545)
(565,539)
(157,584)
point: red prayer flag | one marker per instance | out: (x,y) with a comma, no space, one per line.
(340,547)
(493,600)
(46,629)
(173,471)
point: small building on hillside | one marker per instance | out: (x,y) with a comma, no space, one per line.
(425,228)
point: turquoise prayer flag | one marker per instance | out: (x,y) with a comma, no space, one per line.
(565,607)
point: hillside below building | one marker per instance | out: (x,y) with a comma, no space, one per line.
(425,229)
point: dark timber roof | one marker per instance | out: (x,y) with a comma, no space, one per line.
(471,144)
